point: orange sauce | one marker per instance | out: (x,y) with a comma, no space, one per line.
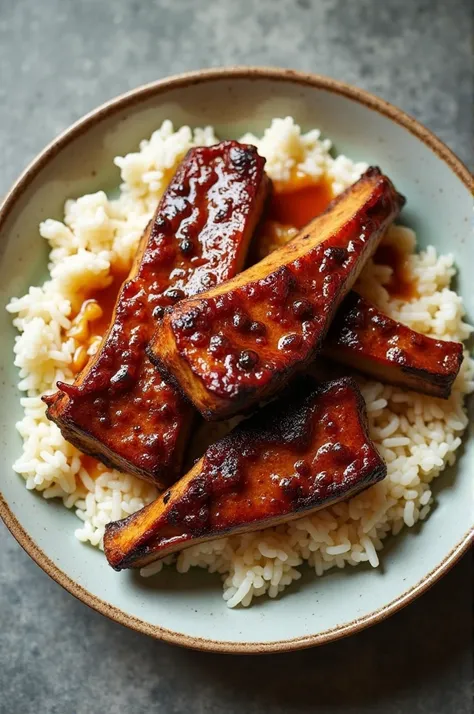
(401,285)
(93,319)
(297,206)
(292,206)
(93,467)
(106,298)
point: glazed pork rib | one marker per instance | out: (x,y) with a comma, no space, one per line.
(306,451)
(239,343)
(362,337)
(119,409)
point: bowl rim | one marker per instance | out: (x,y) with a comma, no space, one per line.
(128,99)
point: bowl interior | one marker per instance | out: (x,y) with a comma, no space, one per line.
(439,209)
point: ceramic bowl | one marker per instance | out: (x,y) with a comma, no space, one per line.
(189,610)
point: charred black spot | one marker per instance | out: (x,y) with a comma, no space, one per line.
(247,360)
(186,246)
(336,255)
(242,159)
(241,321)
(175,294)
(158,312)
(303,309)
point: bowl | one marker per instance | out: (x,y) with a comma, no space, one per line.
(189,610)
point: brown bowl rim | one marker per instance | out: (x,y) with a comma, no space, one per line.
(128,99)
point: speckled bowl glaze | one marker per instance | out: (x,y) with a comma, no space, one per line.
(189,610)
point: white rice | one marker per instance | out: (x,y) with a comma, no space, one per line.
(416,435)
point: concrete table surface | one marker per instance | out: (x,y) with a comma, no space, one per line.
(59,59)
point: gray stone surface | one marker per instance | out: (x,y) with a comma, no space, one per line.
(58,60)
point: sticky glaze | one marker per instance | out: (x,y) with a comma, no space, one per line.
(119,409)
(362,336)
(309,449)
(291,305)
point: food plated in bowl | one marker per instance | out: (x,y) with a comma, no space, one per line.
(415,435)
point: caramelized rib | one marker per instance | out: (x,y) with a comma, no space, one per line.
(362,337)
(119,409)
(240,342)
(304,452)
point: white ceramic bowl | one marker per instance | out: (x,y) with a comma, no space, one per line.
(190,610)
